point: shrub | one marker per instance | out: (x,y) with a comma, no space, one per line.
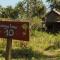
(36,23)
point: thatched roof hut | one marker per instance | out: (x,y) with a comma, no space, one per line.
(52,20)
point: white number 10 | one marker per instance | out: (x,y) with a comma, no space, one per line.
(9,32)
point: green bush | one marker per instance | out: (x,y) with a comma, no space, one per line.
(36,23)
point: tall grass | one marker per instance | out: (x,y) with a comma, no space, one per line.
(42,40)
(38,43)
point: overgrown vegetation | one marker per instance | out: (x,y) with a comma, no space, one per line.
(24,9)
(41,45)
(40,42)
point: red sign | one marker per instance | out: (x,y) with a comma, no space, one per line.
(14,30)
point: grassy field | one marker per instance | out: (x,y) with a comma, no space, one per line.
(42,46)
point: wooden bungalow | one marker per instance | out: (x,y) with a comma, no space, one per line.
(52,21)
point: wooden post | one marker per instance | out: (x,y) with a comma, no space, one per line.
(9,34)
(8,49)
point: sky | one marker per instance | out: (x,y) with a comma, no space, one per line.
(5,3)
(46,3)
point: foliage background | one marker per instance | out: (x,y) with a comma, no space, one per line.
(42,45)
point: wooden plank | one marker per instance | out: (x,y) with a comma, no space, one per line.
(8,49)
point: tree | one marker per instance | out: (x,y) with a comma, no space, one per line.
(54,3)
(0,11)
(3,14)
(20,9)
(34,7)
(27,8)
(8,12)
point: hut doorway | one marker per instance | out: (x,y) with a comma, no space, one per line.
(53,26)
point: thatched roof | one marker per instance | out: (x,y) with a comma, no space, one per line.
(56,11)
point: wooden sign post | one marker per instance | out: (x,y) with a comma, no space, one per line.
(8,49)
(9,33)
(13,30)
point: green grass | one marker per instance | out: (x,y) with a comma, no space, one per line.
(34,49)
(42,40)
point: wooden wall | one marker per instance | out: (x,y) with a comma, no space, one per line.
(53,26)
